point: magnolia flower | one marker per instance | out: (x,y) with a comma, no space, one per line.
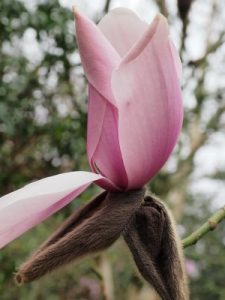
(135,109)
(134,116)
(134,119)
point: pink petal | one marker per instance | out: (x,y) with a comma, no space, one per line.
(98,59)
(122,28)
(97,55)
(103,148)
(149,103)
(30,205)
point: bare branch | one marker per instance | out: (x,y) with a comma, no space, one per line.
(210,49)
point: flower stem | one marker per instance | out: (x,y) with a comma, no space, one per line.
(211,224)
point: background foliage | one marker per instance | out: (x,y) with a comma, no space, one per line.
(43,132)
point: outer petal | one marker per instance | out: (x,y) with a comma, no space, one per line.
(150,110)
(103,147)
(30,205)
(97,55)
(99,59)
(122,28)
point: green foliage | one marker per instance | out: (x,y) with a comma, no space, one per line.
(33,131)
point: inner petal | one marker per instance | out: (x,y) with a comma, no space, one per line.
(103,147)
(122,28)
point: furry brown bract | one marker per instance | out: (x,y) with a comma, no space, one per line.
(90,229)
(148,230)
(156,249)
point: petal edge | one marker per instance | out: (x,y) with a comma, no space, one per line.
(32,204)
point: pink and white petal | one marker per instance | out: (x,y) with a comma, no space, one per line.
(32,204)
(103,147)
(122,27)
(150,107)
(98,56)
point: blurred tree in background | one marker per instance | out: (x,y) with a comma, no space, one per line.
(43,132)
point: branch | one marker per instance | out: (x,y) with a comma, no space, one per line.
(107,5)
(162,7)
(211,224)
(210,49)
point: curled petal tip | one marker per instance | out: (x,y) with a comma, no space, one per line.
(161,19)
(160,16)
